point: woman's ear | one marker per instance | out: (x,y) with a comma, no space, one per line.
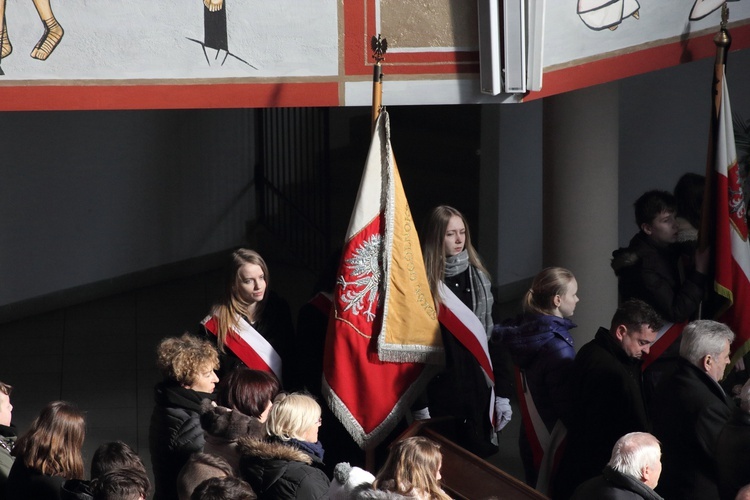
(557,300)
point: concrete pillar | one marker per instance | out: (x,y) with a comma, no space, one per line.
(581,136)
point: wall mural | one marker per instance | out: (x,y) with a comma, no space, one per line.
(255,53)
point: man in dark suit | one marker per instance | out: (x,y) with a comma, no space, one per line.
(607,394)
(690,410)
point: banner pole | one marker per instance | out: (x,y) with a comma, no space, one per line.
(379,47)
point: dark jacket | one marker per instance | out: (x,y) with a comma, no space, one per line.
(223,427)
(76,489)
(690,410)
(541,346)
(607,404)
(174,434)
(275,326)
(277,471)
(651,273)
(8,436)
(613,485)
(24,484)
(731,455)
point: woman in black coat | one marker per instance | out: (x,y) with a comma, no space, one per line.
(48,454)
(188,365)
(287,464)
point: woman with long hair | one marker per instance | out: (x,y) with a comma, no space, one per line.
(461,390)
(412,469)
(48,453)
(542,349)
(243,401)
(188,365)
(251,325)
(287,464)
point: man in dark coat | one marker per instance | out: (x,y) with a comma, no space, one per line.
(690,410)
(648,268)
(631,474)
(731,449)
(607,394)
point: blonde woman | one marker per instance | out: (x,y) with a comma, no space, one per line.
(543,351)
(188,365)
(412,469)
(287,464)
(250,325)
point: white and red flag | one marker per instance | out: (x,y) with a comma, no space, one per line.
(383,325)
(731,247)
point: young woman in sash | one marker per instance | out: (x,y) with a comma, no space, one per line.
(251,325)
(542,349)
(461,390)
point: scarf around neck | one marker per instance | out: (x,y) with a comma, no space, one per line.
(481,288)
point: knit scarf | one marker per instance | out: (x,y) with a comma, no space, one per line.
(481,288)
(312,449)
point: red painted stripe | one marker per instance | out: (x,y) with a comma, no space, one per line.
(171,96)
(636,63)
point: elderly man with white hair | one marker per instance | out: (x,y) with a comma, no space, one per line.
(732,450)
(689,411)
(632,472)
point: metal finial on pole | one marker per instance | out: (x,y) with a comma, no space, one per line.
(379,47)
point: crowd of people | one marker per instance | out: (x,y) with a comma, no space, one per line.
(239,413)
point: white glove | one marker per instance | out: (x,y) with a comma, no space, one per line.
(422,414)
(503,413)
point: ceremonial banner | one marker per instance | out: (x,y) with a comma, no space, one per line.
(381,303)
(250,346)
(731,250)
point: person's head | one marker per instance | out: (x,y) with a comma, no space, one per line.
(638,455)
(634,327)
(198,468)
(115,455)
(223,488)
(6,409)
(744,493)
(53,443)
(121,484)
(248,391)
(655,216)
(413,465)
(446,234)
(248,278)
(189,361)
(705,344)
(688,195)
(294,416)
(553,291)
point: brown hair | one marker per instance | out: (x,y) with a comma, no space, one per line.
(182,358)
(231,307)
(434,248)
(6,388)
(548,283)
(247,391)
(411,468)
(53,443)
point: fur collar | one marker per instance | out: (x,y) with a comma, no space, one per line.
(268,450)
(228,424)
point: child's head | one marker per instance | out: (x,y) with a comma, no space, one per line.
(655,216)
(413,465)
(553,291)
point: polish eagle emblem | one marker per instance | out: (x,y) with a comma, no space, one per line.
(361,283)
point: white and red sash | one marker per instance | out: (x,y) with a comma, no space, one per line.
(248,345)
(545,447)
(664,338)
(469,331)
